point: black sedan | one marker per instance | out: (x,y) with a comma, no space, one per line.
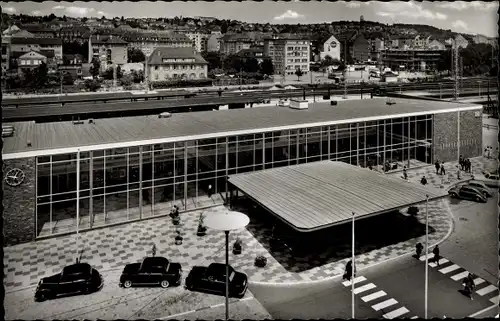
(153,271)
(74,279)
(468,193)
(213,279)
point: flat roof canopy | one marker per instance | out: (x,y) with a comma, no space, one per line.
(65,137)
(317,195)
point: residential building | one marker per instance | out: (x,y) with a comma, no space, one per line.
(483,39)
(233,43)
(360,49)
(436,45)
(22,34)
(420,42)
(39,31)
(199,40)
(256,52)
(346,40)
(109,50)
(72,64)
(459,40)
(148,42)
(10,30)
(331,47)
(213,43)
(33,59)
(288,54)
(166,63)
(71,34)
(411,59)
(37,44)
(5,55)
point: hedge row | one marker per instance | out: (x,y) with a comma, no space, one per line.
(182,83)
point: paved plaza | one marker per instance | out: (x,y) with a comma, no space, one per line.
(111,248)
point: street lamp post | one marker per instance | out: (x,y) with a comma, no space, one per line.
(146,71)
(353,269)
(228,221)
(426,253)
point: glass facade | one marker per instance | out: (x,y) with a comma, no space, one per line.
(124,184)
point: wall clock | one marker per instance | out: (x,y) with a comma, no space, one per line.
(14,177)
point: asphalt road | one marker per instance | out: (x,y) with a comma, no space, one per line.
(327,300)
(474,241)
(404,280)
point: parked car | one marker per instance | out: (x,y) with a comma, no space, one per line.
(78,278)
(152,271)
(481,187)
(468,193)
(213,279)
(489,179)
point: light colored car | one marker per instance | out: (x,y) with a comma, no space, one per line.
(481,187)
(489,179)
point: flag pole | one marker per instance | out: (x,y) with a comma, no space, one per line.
(426,253)
(353,270)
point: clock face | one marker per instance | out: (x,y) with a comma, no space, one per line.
(333,45)
(14,177)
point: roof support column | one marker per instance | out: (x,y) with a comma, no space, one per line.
(185,175)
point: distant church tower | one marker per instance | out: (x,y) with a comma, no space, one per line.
(361,19)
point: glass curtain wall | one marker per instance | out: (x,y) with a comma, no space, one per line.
(118,185)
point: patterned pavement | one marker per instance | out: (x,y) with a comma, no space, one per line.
(112,247)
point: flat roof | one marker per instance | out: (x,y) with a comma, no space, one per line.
(318,195)
(66,137)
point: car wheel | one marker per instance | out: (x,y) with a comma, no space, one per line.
(485,195)
(478,199)
(42,297)
(127,284)
(189,285)
(453,195)
(164,284)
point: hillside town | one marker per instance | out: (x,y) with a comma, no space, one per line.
(74,54)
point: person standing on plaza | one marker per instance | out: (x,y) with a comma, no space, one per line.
(443,171)
(210,192)
(468,165)
(461,162)
(418,249)
(405,174)
(423,181)
(436,255)
(436,164)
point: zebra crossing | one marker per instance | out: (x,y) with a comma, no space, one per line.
(378,299)
(457,273)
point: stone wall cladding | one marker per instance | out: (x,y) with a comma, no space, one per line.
(445,135)
(19,203)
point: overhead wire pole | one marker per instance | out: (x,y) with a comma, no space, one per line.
(426,254)
(77,203)
(345,68)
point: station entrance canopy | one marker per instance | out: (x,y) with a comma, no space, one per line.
(313,196)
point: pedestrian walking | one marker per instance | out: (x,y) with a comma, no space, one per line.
(418,249)
(468,165)
(489,151)
(486,151)
(469,285)
(210,192)
(423,181)
(348,271)
(405,174)
(436,164)
(443,171)
(436,255)
(461,162)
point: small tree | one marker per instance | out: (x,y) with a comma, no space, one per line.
(94,69)
(136,55)
(92,85)
(267,67)
(41,75)
(298,73)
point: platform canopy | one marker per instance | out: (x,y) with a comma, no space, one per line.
(317,195)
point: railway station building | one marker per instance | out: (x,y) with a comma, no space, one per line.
(117,170)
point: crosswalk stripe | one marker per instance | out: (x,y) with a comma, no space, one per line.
(384,304)
(396,313)
(486,290)
(495,300)
(450,268)
(356,280)
(364,288)
(441,261)
(373,296)
(478,281)
(415,317)
(460,276)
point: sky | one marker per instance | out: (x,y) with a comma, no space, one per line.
(475,17)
